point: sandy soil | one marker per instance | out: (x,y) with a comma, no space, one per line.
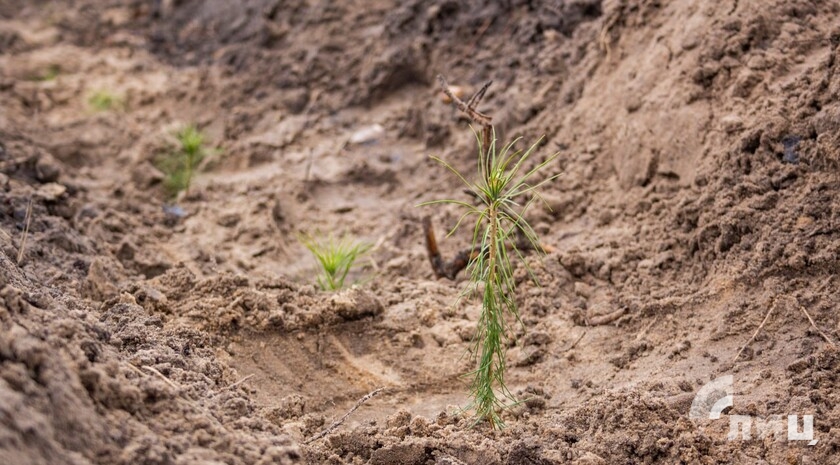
(699,168)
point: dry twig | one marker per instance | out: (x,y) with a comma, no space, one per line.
(341,420)
(240,381)
(28,221)
(161,376)
(766,317)
(606,319)
(574,344)
(814,325)
(469,109)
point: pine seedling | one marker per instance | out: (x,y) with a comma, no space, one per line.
(505,191)
(336,258)
(103,100)
(180,165)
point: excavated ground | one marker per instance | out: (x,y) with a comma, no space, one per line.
(696,203)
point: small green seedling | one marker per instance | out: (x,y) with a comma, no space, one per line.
(103,100)
(179,166)
(505,192)
(48,74)
(336,258)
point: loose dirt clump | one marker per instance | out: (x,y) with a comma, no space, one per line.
(699,163)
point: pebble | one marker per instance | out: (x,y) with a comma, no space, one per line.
(367,134)
(174,210)
(791,155)
(51,192)
(47,169)
(731,123)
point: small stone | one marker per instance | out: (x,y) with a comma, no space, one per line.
(174,210)
(229,220)
(804,222)
(296,100)
(277,213)
(367,135)
(791,147)
(355,304)
(51,192)
(731,123)
(759,62)
(47,168)
(582,289)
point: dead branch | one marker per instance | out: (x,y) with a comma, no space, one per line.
(604,35)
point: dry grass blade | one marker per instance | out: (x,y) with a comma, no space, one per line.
(240,381)
(28,221)
(162,377)
(763,322)
(574,344)
(341,420)
(814,325)
(767,317)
